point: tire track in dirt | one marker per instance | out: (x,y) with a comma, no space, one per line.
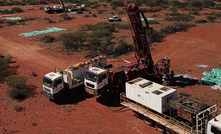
(30,54)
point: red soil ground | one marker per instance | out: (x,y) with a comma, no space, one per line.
(200,45)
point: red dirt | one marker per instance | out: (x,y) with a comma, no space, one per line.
(199,45)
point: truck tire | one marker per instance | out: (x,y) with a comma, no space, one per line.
(148,121)
(159,128)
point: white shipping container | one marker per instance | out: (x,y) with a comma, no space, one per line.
(150,94)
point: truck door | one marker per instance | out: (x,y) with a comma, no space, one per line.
(58,85)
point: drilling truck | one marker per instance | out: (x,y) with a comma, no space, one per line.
(100,80)
(55,83)
(159,106)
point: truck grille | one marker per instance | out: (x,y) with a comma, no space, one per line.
(90,85)
(47,90)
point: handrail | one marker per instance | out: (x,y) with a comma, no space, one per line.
(159,115)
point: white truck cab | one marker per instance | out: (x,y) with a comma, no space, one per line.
(95,80)
(214,125)
(52,84)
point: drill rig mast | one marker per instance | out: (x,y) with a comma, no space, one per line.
(142,44)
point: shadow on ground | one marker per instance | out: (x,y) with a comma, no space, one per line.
(73,96)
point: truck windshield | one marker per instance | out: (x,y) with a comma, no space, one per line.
(47,82)
(90,76)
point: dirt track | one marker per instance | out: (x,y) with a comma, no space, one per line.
(199,45)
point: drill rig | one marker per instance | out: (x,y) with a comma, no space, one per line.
(109,78)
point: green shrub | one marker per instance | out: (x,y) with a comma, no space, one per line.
(218,6)
(5,11)
(108,1)
(116,3)
(201,21)
(16,81)
(195,13)
(153,22)
(144,9)
(33,73)
(86,15)
(3,64)
(217,14)
(195,3)
(124,25)
(211,18)
(179,17)
(79,12)
(42,2)
(65,16)
(94,15)
(104,5)
(121,47)
(207,3)
(74,41)
(19,87)
(11,23)
(154,9)
(47,39)
(16,10)
(17,107)
(103,26)
(178,4)
(176,27)
(154,36)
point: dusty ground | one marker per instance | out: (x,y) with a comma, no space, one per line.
(200,45)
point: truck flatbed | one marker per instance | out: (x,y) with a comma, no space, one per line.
(163,120)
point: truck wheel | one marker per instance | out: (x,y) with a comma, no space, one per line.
(148,121)
(159,128)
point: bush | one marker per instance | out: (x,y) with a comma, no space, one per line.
(108,1)
(154,36)
(179,17)
(65,16)
(176,27)
(217,14)
(16,81)
(154,9)
(144,9)
(211,18)
(79,12)
(124,25)
(103,26)
(3,64)
(86,15)
(116,3)
(16,10)
(218,6)
(5,11)
(94,15)
(47,39)
(33,73)
(74,41)
(121,47)
(195,13)
(42,2)
(19,87)
(201,21)
(11,23)
(17,107)
(153,22)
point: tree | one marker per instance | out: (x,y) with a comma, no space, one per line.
(19,86)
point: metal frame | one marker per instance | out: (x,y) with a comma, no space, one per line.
(207,115)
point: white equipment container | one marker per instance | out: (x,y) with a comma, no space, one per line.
(150,94)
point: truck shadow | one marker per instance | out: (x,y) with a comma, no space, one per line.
(73,96)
